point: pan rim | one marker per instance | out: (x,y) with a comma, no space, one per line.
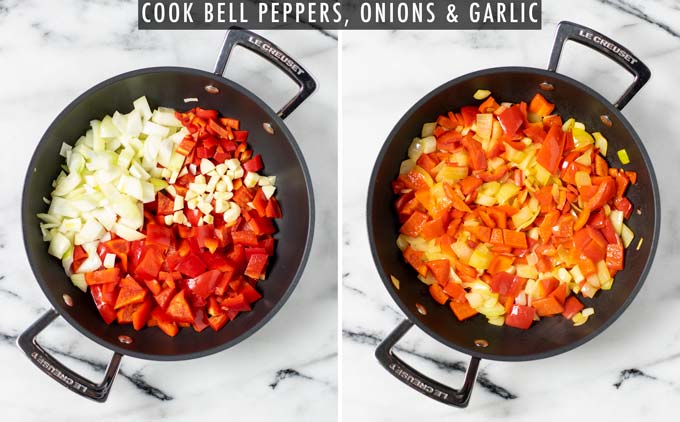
(409,314)
(58,306)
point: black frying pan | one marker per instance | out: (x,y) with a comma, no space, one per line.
(550,336)
(269,136)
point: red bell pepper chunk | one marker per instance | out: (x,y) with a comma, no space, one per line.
(236,303)
(475,152)
(219,130)
(462,310)
(179,309)
(260,203)
(153,285)
(256,266)
(186,146)
(164,322)
(164,205)
(109,275)
(624,205)
(193,216)
(273,209)
(520,316)
(200,322)
(262,225)
(254,164)
(204,285)
(206,114)
(438,294)
(240,135)
(238,258)
(550,154)
(244,238)
(150,264)
(440,268)
(191,265)
(540,106)
(605,192)
(159,235)
(547,306)
(104,299)
(469,114)
(130,293)
(455,291)
(571,306)
(614,258)
(218,321)
(249,292)
(511,120)
(142,313)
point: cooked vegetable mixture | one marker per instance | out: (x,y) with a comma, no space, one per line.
(163,215)
(509,212)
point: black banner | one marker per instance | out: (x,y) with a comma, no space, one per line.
(335,14)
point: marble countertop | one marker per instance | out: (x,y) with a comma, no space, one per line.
(632,370)
(53,51)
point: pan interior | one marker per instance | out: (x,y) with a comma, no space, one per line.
(550,336)
(169,87)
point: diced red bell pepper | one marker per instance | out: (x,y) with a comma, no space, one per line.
(438,294)
(462,310)
(204,285)
(273,209)
(109,275)
(547,306)
(540,106)
(511,120)
(244,238)
(164,204)
(236,303)
(469,114)
(624,205)
(550,154)
(179,309)
(249,292)
(440,268)
(571,306)
(104,299)
(614,258)
(191,265)
(605,192)
(150,263)
(206,114)
(142,313)
(254,164)
(153,286)
(200,322)
(256,266)
(218,321)
(520,317)
(164,322)
(455,291)
(159,235)
(477,156)
(130,292)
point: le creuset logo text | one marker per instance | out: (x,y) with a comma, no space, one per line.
(609,46)
(418,383)
(276,53)
(56,373)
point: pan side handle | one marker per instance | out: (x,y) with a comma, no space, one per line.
(416,380)
(269,51)
(58,371)
(606,46)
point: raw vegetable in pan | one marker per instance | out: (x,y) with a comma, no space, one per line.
(510,212)
(164,216)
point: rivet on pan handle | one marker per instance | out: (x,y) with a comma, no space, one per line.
(60,373)
(419,382)
(606,46)
(272,53)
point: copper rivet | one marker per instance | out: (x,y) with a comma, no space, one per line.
(606,120)
(210,89)
(421,309)
(546,86)
(268,128)
(125,339)
(481,343)
(68,300)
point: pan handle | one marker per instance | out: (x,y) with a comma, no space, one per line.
(419,382)
(272,53)
(60,373)
(606,46)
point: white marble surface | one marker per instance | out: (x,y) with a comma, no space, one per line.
(50,53)
(632,370)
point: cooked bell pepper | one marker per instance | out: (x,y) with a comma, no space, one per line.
(462,310)
(550,154)
(256,266)
(109,275)
(520,316)
(540,106)
(571,307)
